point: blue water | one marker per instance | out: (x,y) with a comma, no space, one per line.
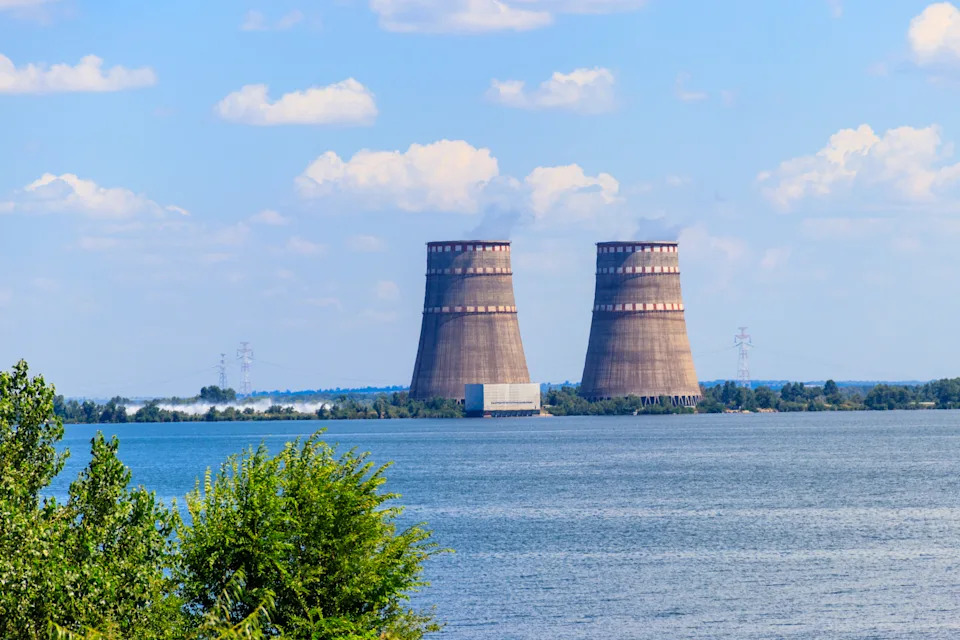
(843,525)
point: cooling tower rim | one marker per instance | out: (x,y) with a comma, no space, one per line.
(634,243)
(442,242)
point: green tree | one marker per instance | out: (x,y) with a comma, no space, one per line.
(217,395)
(766,398)
(312,530)
(96,561)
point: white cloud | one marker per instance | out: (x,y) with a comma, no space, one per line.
(683,93)
(298,245)
(456,16)
(581,90)
(347,102)
(934,35)
(479,16)
(366,244)
(68,193)
(88,75)
(255,21)
(567,192)
(836,8)
(270,217)
(19,4)
(448,175)
(908,162)
(387,290)
(175,209)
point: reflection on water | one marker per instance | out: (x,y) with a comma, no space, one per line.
(731,526)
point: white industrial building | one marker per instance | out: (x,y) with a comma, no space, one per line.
(501,400)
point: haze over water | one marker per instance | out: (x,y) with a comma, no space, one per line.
(842,525)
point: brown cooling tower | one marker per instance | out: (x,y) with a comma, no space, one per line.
(470,332)
(638,339)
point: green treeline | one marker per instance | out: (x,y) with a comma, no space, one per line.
(567,401)
(300,545)
(939,394)
(558,401)
(381,406)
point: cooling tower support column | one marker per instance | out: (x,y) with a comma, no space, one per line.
(638,340)
(470,333)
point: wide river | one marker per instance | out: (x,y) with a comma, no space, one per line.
(842,525)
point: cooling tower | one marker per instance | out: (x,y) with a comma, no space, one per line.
(638,340)
(470,332)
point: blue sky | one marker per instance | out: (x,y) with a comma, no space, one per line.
(270,172)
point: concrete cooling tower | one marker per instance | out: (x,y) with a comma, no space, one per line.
(470,332)
(638,340)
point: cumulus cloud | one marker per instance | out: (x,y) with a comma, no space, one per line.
(87,75)
(452,176)
(907,162)
(67,193)
(254,20)
(21,4)
(270,217)
(581,90)
(448,175)
(456,16)
(479,16)
(347,102)
(934,35)
(568,192)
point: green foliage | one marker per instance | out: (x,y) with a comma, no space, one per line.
(312,530)
(566,401)
(95,562)
(217,395)
(301,545)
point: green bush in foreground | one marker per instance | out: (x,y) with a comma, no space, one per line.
(297,545)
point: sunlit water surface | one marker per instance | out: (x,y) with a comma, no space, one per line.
(732,526)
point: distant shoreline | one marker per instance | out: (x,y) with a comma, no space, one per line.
(222,405)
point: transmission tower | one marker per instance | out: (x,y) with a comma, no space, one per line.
(222,368)
(744,343)
(245,356)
